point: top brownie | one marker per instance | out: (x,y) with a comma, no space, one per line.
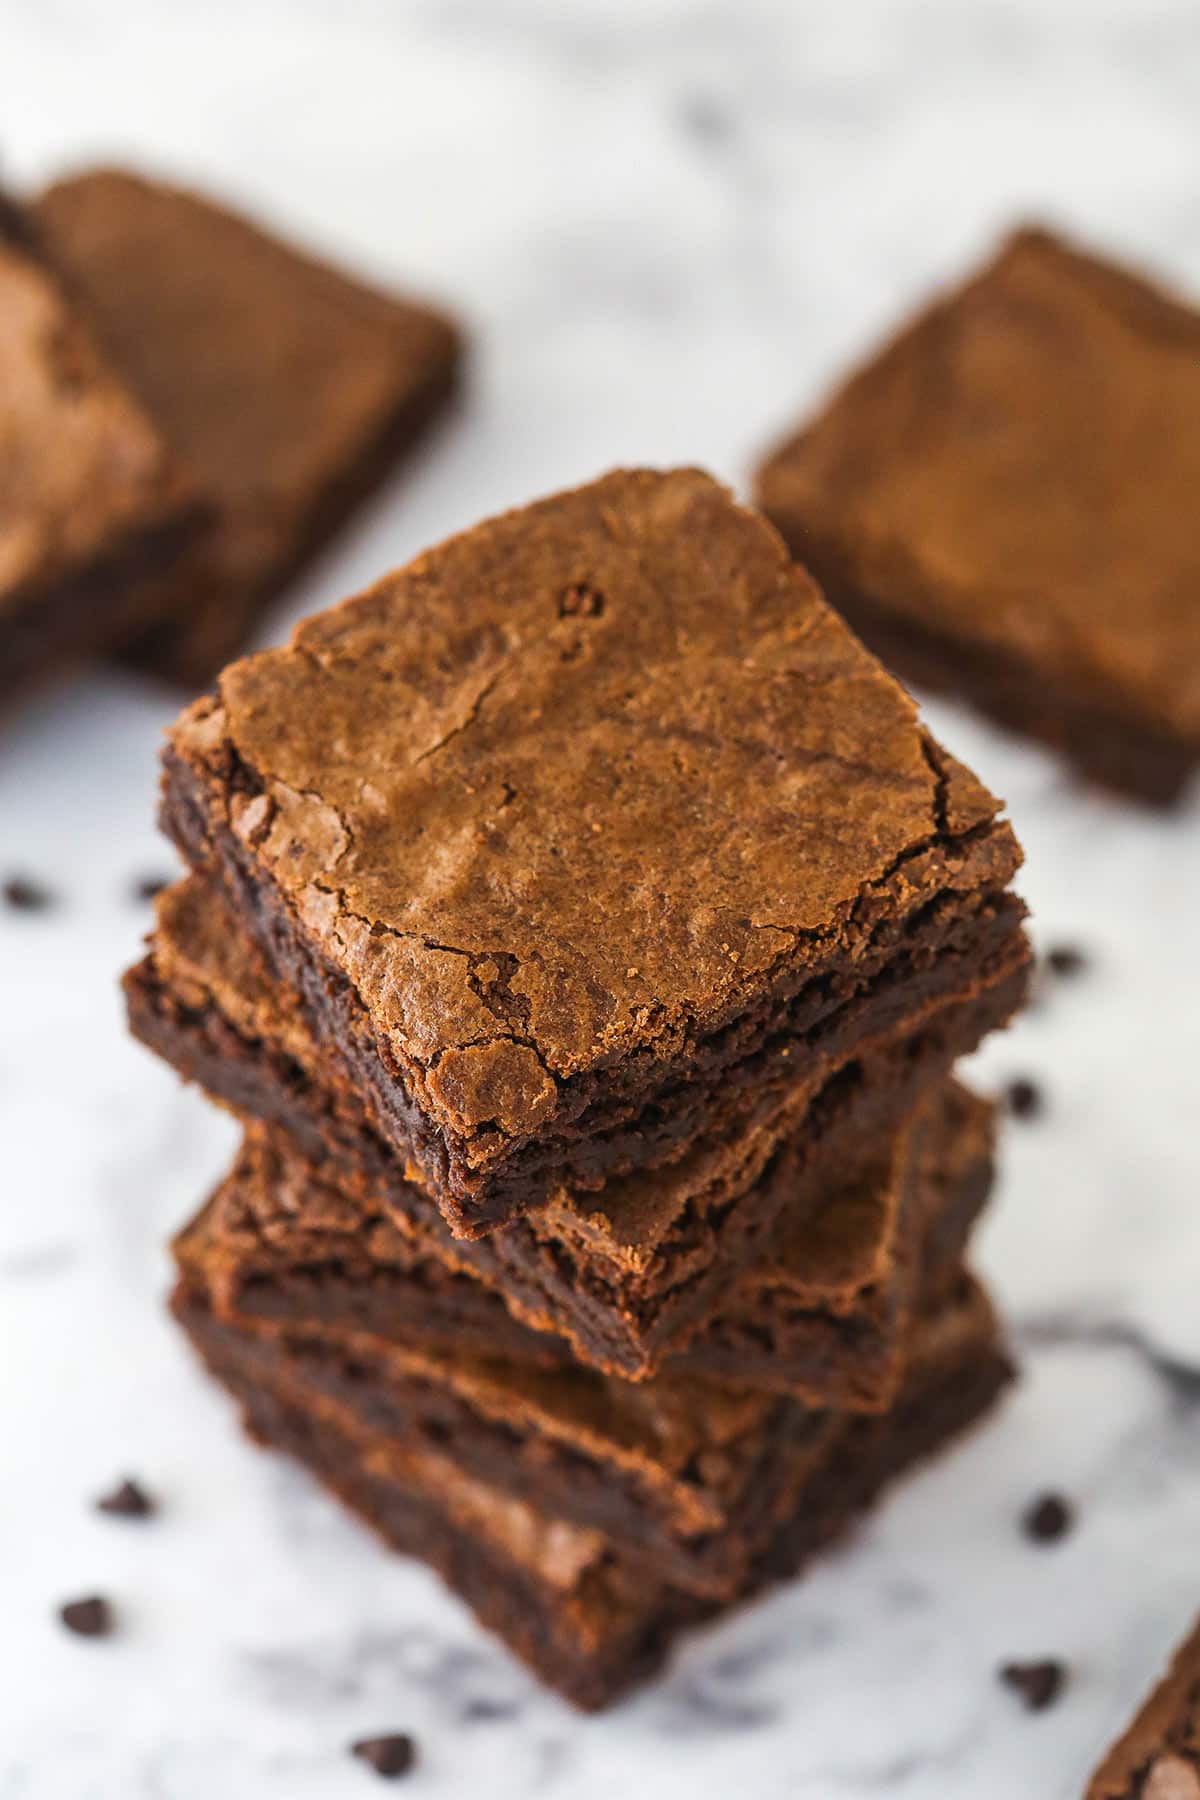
(1002,502)
(574,815)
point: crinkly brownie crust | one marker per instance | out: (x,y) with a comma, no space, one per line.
(565,828)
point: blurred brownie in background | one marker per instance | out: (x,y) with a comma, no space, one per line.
(286,389)
(92,505)
(1003,502)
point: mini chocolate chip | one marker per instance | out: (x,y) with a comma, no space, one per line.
(149,887)
(1171,1777)
(1038,1683)
(1025,1099)
(1067,960)
(92,1617)
(389,1756)
(1048,1518)
(24,895)
(126,1501)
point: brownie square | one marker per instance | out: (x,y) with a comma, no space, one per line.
(1001,503)
(1158,1757)
(591,835)
(824,1318)
(625,1277)
(286,388)
(92,505)
(587,1618)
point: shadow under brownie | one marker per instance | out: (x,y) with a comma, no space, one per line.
(565,1598)
(94,507)
(1001,502)
(288,390)
(591,833)
(627,1278)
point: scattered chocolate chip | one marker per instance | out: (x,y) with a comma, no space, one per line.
(1038,1683)
(24,895)
(149,887)
(92,1617)
(1171,1777)
(1025,1099)
(1048,1518)
(126,1501)
(1066,960)
(389,1756)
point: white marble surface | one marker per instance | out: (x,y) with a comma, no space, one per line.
(668,223)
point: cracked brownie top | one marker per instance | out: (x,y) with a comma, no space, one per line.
(578,784)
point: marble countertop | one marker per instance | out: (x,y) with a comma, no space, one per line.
(669,223)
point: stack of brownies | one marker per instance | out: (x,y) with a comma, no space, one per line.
(584,927)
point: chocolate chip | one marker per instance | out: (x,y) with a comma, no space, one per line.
(1171,1777)
(92,1617)
(1025,1099)
(1048,1518)
(389,1756)
(24,895)
(126,1501)
(1038,1683)
(1067,960)
(149,887)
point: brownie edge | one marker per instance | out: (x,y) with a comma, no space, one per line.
(1158,1756)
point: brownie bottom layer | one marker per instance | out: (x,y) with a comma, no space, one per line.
(567,1603)
(1120,752)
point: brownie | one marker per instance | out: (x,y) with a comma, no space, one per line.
(677,1468)
(1158,1758)
(280,1248)
(93,507)
(591,834)
(1001,503)
(627,1277)
(567,1599)
(286,388)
